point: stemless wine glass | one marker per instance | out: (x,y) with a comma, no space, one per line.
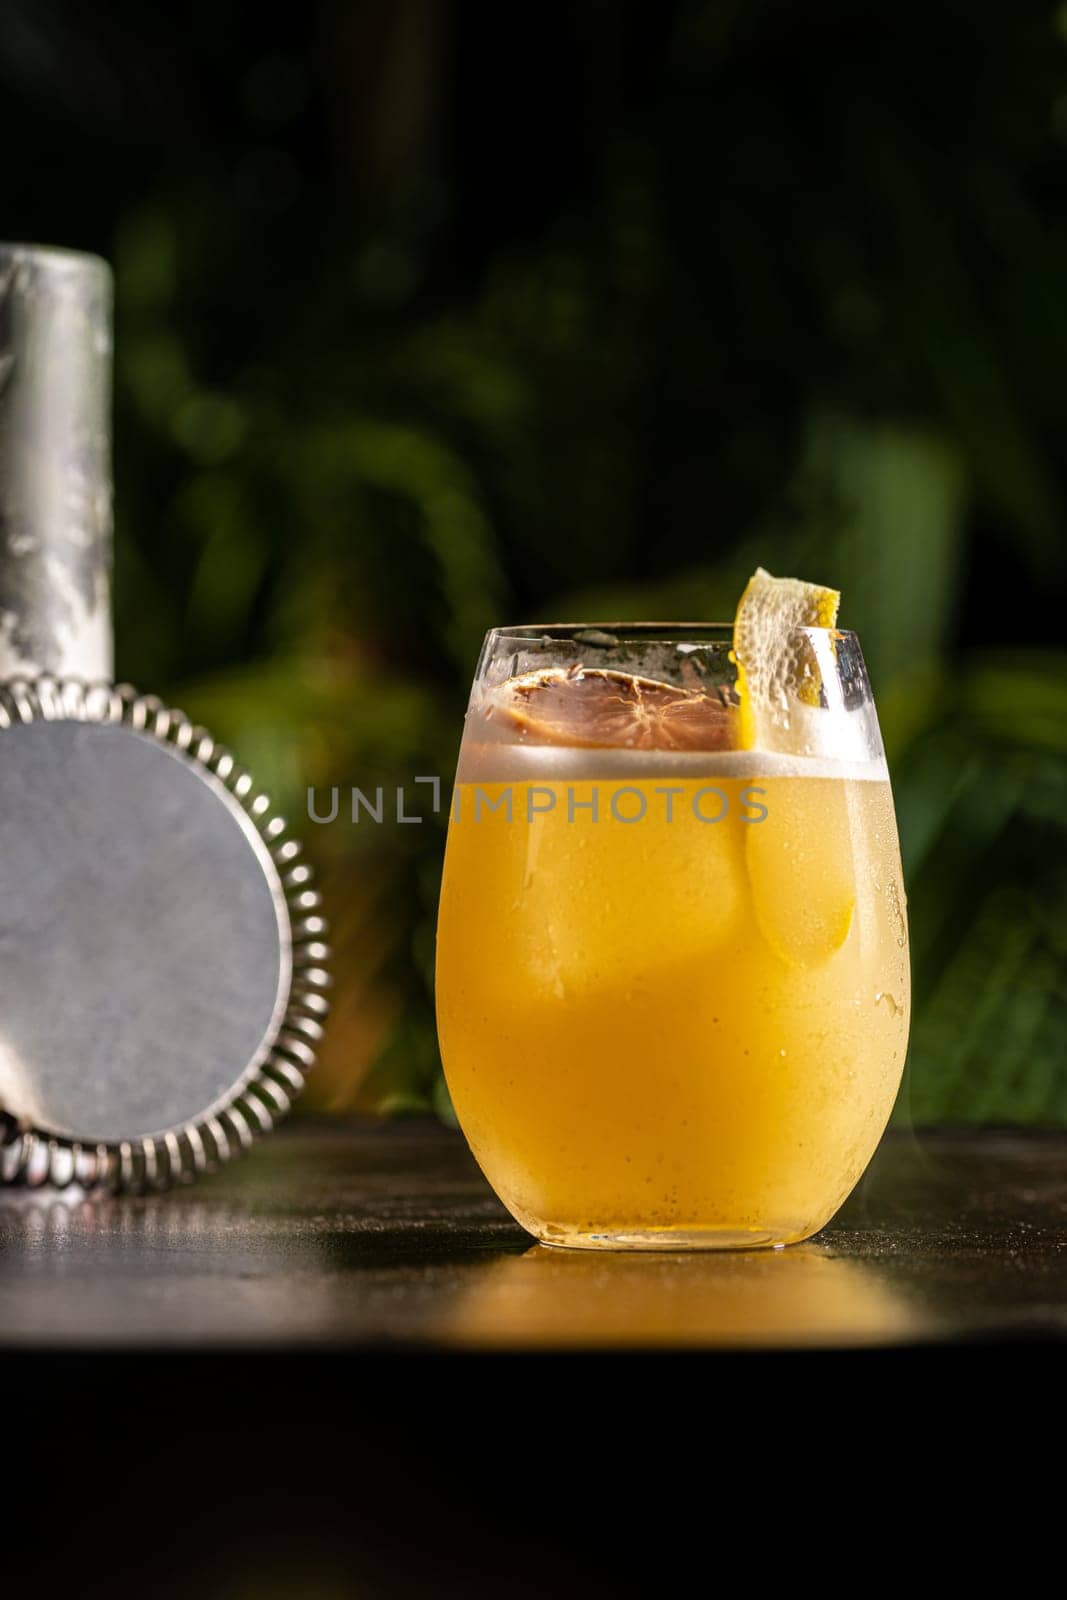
(672,975)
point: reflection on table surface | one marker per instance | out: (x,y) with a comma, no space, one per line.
(802,1295)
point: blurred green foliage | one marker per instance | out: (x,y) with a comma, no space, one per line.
(433,315)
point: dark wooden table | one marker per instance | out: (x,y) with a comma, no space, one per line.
(357,1236)
(339,1369)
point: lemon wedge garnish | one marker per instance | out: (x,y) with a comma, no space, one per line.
(799,858)
(775,663)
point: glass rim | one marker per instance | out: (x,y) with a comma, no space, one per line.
(646,632)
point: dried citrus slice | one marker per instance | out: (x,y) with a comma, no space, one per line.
(775,663)
(593,707)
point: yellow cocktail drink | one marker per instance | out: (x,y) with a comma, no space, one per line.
(672,988)
(672,966)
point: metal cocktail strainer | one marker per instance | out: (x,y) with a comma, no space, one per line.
(161,947)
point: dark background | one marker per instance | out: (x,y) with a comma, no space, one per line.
(434,315)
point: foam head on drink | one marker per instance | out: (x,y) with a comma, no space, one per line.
(673,974)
